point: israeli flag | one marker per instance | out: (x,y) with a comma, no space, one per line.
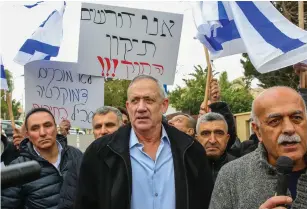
(257,28)
(165,89)
(30,6)
(3,81)
(45,41)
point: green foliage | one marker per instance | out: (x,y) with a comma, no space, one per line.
(236,94)
(4,109)
(189,98)
(282,77)
(15,105)
(115,92)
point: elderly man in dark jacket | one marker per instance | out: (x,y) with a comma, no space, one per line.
(53,155)
(212,133)
(147,163)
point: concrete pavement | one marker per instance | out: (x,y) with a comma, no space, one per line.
(80,141)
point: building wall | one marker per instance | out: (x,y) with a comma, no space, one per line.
(243,125)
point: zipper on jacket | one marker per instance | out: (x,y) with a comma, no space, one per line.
(185,172)
(213,169)
(129,194)
(61,163)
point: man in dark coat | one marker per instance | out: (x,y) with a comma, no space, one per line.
(212,133)
(53,155)
(105,121)
(215,105)
(146,163)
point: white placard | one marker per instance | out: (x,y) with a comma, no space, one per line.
(121,42)
(68,95)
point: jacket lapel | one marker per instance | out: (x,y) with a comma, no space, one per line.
(119,145)
(180,142)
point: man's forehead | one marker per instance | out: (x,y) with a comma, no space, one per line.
(145,85)
(209,125)
(180,116)
(277,100)
(273,114)
(105,118)
(282,109)
(143,94)
(39,118)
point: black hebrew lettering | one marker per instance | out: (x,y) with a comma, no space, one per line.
(112,12)
(87,79)
(148,42)
(107,35)
(157,21)
(115,37)
(168,28)
(86,11)
(100,20)
(121,17)
(77,116)
(131,46)
(129,15)
(144,17)
(42,73)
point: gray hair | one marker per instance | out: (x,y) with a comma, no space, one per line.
(209,117)
(141,77)
(106,109)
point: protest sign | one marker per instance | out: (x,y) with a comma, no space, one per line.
(68,95)
(121,42)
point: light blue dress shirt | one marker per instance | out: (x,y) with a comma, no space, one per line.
(153,182)
(57,163)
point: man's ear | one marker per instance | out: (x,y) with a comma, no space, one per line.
(227,138)
(256,130)
(191,131)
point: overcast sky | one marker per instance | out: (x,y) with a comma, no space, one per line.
(17,23)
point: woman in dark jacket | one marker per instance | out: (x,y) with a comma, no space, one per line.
(45,191)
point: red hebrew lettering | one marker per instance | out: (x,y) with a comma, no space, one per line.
(115,63)
(102,64)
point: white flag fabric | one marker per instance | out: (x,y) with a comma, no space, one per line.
(45,41)
(257,28)
(3,80)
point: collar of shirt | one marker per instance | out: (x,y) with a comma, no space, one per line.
(60,148)
(134,139)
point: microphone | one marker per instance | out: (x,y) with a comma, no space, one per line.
(18,174)
(284,166)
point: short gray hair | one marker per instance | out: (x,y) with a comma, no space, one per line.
(141,77)
(209,117)
(106,109)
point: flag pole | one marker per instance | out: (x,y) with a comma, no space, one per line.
(209,75)
(301,25)
(10,109)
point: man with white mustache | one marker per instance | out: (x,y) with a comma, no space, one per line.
(279,120)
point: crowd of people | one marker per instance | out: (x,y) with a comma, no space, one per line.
(140,160)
